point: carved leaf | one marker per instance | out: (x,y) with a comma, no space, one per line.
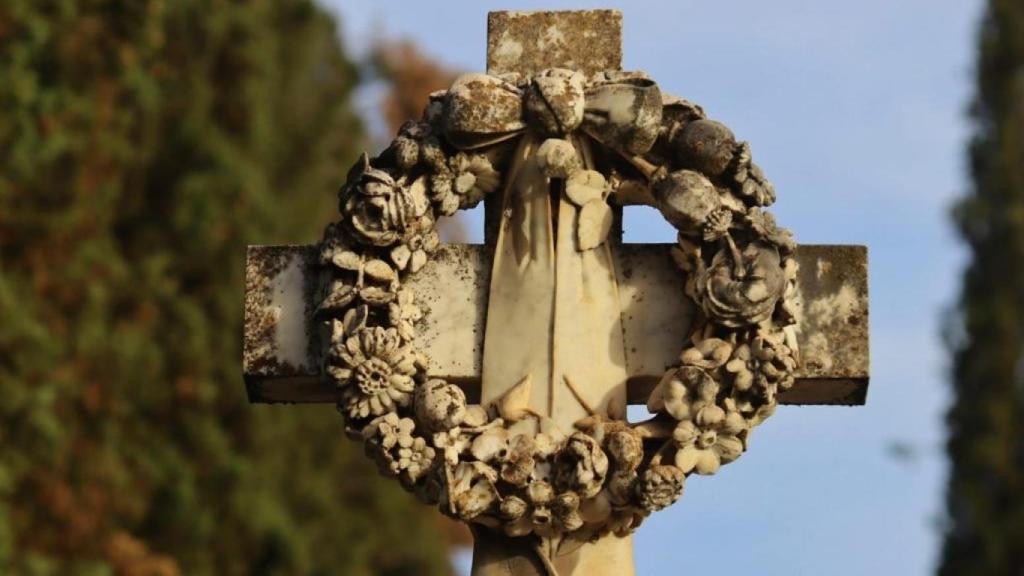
(514,405)
(379,270)
(594,224)
(585,186)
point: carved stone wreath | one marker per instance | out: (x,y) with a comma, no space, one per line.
(503,466)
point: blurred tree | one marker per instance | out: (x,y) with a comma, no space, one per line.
(985,496)
(411,76)
(143,144)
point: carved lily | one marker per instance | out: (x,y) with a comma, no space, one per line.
(375,370)
(714,437)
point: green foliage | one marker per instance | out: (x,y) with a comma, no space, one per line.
(986,424)
(143,144)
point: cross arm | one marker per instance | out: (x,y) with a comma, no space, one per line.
(280,354)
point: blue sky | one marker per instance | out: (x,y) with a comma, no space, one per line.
(856,111)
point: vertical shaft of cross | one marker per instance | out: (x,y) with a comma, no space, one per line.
(553,312)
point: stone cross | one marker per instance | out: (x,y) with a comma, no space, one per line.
(281,344)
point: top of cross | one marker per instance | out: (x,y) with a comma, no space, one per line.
(528,42)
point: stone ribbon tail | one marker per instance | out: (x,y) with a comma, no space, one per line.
(554,311)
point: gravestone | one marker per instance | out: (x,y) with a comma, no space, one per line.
(493,379)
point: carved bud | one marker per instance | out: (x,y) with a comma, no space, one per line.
(687,199)
(439,405)
(625,448)
(554,101)
(704,145)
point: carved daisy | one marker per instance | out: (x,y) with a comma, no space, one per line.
(375,370)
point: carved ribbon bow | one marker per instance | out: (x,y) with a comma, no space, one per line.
(620,110)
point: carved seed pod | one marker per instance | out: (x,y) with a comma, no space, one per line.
(687,199)
(625,448)
(704,145)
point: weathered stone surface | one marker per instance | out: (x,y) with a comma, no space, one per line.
(528,42)
(281,366)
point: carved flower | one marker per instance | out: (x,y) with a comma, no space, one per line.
(660,486)
(717,224)
(739,288)
(581,465)
(767,362)
(750,179)
(714,437)
(390,441)
(683,392)
(709,353)
(412,462)
(375,371)
(382,211)
(439,405)
(541,512)
(412,253)
(462,182)
(514,455)
(403,314)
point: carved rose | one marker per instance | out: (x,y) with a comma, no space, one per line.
(712,438)
(741,288)
(375,371)
(660,486)
(381,211)
(581,465)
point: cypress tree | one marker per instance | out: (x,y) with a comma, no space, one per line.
(143,144)
(985,498)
